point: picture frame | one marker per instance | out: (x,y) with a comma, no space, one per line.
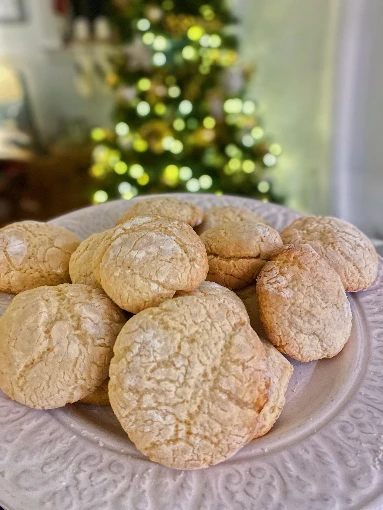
(12,11)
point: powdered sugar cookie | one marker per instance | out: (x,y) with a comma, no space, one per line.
(80,264)
(34,254)
(280,371)
(56,344)
(344,247)
(237,252)
(166,207)
(220,216)
(188,381)
(146,260)
(303,306)
(248,296)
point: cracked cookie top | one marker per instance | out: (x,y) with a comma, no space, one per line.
(188,381)
(344,247)
(165,207)
(237,252)
(302,305)
(146,260)
(220,216)
(33,254)
(80,264)
(56,344)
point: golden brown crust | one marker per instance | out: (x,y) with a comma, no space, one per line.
(34,254)
(237,252)
(341,244)
(280,371)
(220,216)
(248,296)
(99,396)
(302,304)
(80,264)
(188,381)
(166,207)
(146,260)
(56,344)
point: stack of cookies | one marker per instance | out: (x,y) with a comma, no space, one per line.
(159,317)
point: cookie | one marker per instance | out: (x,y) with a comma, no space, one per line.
(280,371)
(166,207)
(99,396)
(80,264)
(56,344)
(34,254)
(237,252)
(146,260)
(188,381)
(248,296)
(302,305)
(220,216)
(213,289)
(344,247)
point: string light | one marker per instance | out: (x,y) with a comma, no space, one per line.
(174,91)
(100,153)
(189,53)
(124,187)
(167,142)
(204,69)
(248,166)
(219,192)
(234,164)
(120,168)
(144,84)
(177,147)
(140,145)
(170,175)
(179,124)
(185,107)
(159,59)
(209,122)
(160,108)
(248,140)
(215,41)
(275,149)
(185,173)
(195,33)
(143,108)
(160,43)
(205,181)
(97,134)
(148,38)
(207,12)
(233,105)
(136,171)
(205,41)
(122,129)
(143,180)
(248,107)
(97,171)
(143,25)
(257,133)
(233,151)
(269,159)
(114,157)
(193,185)
(130,194)
(263,186)
(100,196)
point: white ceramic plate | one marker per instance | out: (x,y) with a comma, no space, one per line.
(325,452)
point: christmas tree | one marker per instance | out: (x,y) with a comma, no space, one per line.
(182,120)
